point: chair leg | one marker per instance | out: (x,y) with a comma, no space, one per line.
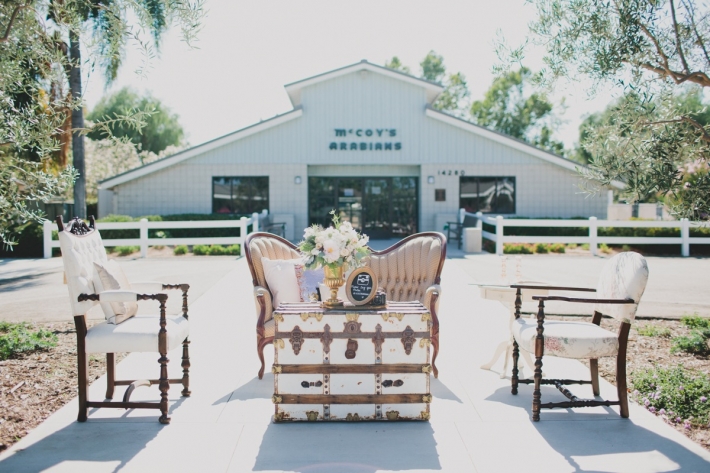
(594,372)
(164,386)
(83,375)
(536,391)
(435,344)
(110,374)
(621,370)
(186,368)
(514,375)
(260,344)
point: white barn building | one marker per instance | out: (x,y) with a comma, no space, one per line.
(365,140)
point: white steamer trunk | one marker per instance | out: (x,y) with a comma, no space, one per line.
(351,363)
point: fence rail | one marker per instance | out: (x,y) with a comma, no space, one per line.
(592,239)
(246,225)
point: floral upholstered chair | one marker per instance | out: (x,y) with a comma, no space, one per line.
(619,290)
(93,279)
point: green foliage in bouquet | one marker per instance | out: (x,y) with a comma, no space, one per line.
(334,246)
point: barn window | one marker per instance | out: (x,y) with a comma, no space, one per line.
(240,195)
(487,194)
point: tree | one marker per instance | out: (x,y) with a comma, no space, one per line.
(162,128)
(507,107)
(40,86)
(453,98)
(651,49)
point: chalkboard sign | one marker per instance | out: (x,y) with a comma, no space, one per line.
(361,286)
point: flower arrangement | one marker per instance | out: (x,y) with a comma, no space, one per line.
(336,246)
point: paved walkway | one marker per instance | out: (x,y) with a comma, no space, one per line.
(476,424)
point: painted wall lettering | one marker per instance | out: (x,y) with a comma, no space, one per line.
(365,145)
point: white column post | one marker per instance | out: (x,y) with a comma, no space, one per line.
(479,215)
(462,214)
(144,237)
(685,237)
(593,235)
(243,234)
(47,238)
(499,235)
(255,218)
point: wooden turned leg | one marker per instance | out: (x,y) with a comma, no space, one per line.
(621,370)
(110,374)
(594,372)
(83,362)
(514,376)
(435,344)
(164,386)
(536,391)
(186,368)
(260,350)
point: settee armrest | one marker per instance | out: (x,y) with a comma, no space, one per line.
(432,290)
(264,305)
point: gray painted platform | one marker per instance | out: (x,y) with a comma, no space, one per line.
(476,424)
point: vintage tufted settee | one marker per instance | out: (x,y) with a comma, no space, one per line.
(409,270)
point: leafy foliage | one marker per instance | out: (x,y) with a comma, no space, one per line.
(16,338)
(508,108)
(162,128)
(677,394)
(650,51)
(650,330)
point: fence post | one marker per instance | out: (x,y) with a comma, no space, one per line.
(243,234)
(593,235)
(479,223)
(685,237)
(144,237)
(255,218)
(499,235)
(462,214)
(47,238)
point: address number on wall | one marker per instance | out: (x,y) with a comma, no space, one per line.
(450,172)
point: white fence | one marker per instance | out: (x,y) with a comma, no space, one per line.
(592,239)
(144,226)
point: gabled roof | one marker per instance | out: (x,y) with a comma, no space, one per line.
(294,89)
(199,149)
(509,141)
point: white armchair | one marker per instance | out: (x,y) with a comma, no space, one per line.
(82,253)
(619,290)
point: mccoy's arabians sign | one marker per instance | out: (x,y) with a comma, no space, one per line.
(365,139)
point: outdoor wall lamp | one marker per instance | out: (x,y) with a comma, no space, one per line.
(430,179)
(297,180)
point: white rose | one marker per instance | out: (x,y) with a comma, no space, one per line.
(330,251)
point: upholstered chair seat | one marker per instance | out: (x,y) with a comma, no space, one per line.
(137,334)
(567,339)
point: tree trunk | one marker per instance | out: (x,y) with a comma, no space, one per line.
(77,121)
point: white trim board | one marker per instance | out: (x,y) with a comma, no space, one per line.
(508,141)
(199,149)
(294,88)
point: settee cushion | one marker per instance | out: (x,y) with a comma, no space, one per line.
(282,281)
(109,276)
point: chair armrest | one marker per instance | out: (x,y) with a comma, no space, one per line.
(428,295)
(584,301)
(121,296)
(157,286)
(551,288)
(264,305)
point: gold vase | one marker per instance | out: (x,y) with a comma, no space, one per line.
(333,279)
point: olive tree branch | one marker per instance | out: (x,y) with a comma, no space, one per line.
(13,17)
(678,44)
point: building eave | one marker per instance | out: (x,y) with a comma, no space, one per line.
(200,149)
(509,141)
(294,89)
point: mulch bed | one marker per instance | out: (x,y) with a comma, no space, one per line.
(33,386)
(647,352)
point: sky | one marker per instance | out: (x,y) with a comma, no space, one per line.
(248,50)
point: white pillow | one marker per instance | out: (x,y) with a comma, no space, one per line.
(281,278)
(110,277)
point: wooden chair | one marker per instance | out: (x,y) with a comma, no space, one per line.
(81,247)
(408,270)
(455,230)
(621,285)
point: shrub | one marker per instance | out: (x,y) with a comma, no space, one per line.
(180,250)
(18,338)
(677,394)
(541,248)
(127,250)
(234,250)
(625,248)
(695,343)
(558,248)
(201,250)
(217,250)
(516,249)
(604,248)
(654,331)
(572,246)
(695,321)
(585,246)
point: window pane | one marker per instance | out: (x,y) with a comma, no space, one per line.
(468,193)
(240,195)
(321,200)
(505,195)
(486,194)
